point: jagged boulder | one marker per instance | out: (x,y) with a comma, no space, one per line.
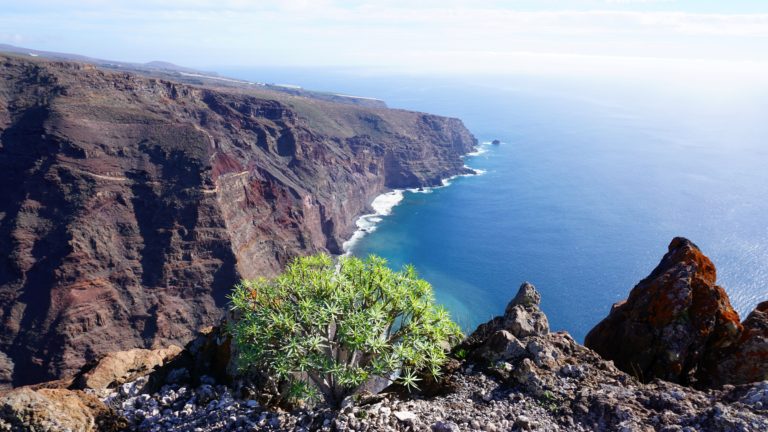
(119,367)
(670,321)
(746,360)
(209,354)
(522,318)
(501,346)
(53,410)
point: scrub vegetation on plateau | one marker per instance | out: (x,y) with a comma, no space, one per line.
(330,328)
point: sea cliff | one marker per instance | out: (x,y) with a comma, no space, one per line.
(130,205)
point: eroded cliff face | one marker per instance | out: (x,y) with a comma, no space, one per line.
(129,206)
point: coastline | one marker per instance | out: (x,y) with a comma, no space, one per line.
(383,204)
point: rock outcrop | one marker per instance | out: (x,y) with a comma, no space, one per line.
(746,359)
(512,374)
(522,317)
(509,379)
(209,354)
(55,410)
(678,325)
(74,404)
(117,368)
(129,206)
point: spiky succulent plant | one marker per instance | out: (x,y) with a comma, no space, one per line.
(332,328)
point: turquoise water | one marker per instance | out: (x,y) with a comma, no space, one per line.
(592,181)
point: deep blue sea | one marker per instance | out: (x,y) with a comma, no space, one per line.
(592,181)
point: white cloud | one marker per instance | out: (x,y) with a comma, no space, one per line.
(634,2)
(405,35)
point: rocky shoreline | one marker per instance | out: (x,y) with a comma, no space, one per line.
(383,204)
(511,374)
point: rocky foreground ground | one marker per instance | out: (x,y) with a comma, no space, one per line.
(511,374)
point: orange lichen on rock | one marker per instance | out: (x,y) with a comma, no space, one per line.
(671,320)
(745,360)
(662,309)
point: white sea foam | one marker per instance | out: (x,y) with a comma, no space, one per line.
(449,180)
(383,204)
(477,152)
(423,190)
(482,148)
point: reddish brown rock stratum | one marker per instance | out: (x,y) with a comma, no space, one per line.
(678,325)
(746,360)
(130,205)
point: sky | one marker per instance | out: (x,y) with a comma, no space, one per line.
(432,36)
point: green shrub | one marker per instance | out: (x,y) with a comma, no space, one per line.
(332,328)
(461,354)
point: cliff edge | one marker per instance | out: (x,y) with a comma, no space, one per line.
(511,374)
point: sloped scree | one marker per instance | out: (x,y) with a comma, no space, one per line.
(513,375)
(518,376)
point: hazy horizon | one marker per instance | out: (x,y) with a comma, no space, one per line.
(645,39)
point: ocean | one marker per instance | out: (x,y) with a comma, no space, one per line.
(592,180)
